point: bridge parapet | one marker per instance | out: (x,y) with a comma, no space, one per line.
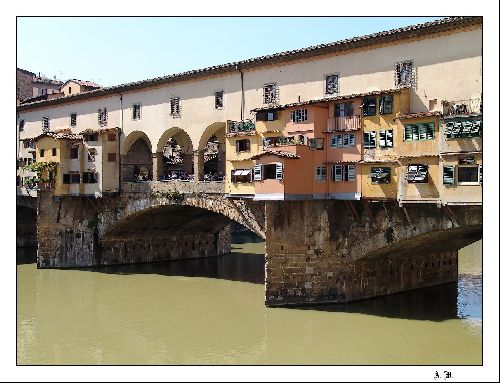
(184,187)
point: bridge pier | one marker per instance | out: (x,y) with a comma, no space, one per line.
(326,251)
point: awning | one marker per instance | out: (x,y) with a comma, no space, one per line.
(245,172)
(238,172)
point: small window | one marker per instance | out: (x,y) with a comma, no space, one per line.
(54,152)
(42,152)
(66,179)
(369,106)
(73,120)
(102,117)
(380,175)
(417,173)
(92,137)
(270,93)
(464,129)
(175,107)
(468,174)
(448,175)
(337,141)
(341,173)
(419,132)
(73,152)
(111,157)
(369,139)
(266,116)
(136,112)
(403,73)
(299,115)
(21,125)
(89,178)
(241,176)
(242,145)
(386,138)
(91,154)
(219,100)
(344,109)
(257,172)
(69,90)
(45,124)
(316,143)
(385,104)
(320,173)
(332,84)
(312,143)
(75,178)
(111,137)
(270,172)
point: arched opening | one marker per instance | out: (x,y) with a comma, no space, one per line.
(212,148)
(137,161)
(175,156)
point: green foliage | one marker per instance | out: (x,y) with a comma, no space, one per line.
(45,171)
(174,196)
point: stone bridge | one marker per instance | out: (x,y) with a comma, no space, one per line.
(25,221)
(316,251)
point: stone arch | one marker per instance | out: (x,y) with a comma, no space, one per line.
(212,150)
(183,151)
(136,160)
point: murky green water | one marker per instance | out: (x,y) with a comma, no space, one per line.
(212,311)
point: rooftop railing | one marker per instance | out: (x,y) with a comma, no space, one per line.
(462,107)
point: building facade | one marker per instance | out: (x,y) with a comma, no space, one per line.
(332,121)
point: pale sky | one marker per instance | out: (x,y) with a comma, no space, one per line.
(117,50)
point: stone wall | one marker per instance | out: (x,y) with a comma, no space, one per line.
(334,251)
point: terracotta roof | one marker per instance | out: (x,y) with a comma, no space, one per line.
(84,83)
(343,162)
(411,31)
(418,115)
(91,131)
(58,135)
(328,99)
(276,153)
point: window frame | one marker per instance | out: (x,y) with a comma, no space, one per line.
(298,115)
(320,175)
(246,144)
(382,103)
(268,90)
(418,131)
(219,95)
(248,177)
(418,166)
(102,117)
(175,107)
(138,116)
(367,107)
(397,76)
(385,132)
(336,90)
(466,183)
(72,121)
(448,167)
(45,123)
(372,137)
(387,169)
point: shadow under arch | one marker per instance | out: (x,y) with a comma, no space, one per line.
(178,157)
(137,160)
(212,148)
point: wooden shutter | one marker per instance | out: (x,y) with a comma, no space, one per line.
(389,141)
(352,139)
(382,139)
(448,175)
(257,172)
(279,171)
(345,142)
(480,171)
(351,172)
(339,171)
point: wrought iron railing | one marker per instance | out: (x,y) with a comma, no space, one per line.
(462,107)
(240,126)
(344,123)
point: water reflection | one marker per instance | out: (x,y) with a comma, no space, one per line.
(203,312)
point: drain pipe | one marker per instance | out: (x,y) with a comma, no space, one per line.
(242,112)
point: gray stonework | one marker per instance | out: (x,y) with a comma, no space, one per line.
(323,251)
(316,251)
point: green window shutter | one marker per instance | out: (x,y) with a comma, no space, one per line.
(448,175)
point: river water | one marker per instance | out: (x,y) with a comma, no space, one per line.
(211,311)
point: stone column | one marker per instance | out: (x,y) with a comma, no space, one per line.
(199,164)
(157,166)
(221,159)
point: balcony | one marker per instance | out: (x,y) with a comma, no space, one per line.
(240,127)
(344,123)
(462,107)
